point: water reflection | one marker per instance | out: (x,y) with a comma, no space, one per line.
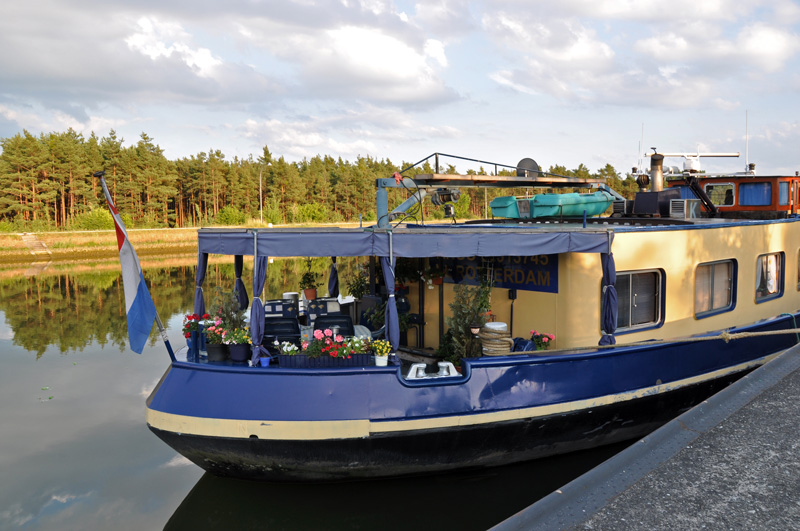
(72,305)
(77,453)
(467,500)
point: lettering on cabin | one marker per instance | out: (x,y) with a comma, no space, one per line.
(530,273)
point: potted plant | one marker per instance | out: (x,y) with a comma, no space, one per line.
(324,350)
(309,282)
(238,341)
(541,339)
(357,283)
(470,309)
(227,309)
(376,317)
(433,275)
(381,349)
(192,330)
(215,341)
(357,345)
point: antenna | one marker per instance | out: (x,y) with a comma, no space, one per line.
(641,142)
(746,141)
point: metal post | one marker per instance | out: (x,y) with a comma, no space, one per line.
(382,205)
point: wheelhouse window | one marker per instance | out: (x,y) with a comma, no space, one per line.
(720,194)
(638,299)
(783,193)
(769,276)
(714,288)
(755,194)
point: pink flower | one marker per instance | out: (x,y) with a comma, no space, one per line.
(305,345)
(545,339)
(318,334)
(328,332)
(534,332)
(339,339)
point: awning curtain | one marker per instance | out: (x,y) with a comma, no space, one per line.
(609,309)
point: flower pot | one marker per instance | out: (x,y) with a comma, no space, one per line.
(381,361)
(310,294)
(239,352)
(217,352)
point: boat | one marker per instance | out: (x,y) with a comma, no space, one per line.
(647,309)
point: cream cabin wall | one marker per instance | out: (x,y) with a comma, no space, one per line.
(678,253)
(532,310)
(573,314)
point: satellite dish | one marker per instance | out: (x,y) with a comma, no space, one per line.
(527,168)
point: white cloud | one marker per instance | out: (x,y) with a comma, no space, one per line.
(435,50)
(365,62)
(757,46)
(657,11)
(565,53)
(767,47)
(369,130)
(157,39)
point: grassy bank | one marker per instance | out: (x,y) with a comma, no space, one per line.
(81,245)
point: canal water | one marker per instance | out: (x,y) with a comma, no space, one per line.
(76,452)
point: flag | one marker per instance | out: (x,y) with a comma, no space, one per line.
(139,305)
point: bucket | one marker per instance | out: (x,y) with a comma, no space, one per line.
(496,327)
(293,295)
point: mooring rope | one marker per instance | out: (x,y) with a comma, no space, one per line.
(496,342)
(725,336)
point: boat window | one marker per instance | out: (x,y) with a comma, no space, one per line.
(714,288)
(783,193)
(638,299)
(769,276)
(720,194)
(755,194)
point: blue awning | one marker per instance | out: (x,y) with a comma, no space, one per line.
(403,243)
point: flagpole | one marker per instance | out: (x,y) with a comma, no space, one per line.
(163,331)
(139,306)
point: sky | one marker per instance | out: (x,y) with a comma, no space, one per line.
(564,82)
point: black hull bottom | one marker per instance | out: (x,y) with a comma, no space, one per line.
(429,451)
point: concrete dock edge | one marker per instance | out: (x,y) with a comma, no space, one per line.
(585,497)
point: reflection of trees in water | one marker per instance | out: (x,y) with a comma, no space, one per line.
(71,307)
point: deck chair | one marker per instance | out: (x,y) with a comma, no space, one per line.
(280,329)
(341,320)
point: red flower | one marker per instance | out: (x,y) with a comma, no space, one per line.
(187,335)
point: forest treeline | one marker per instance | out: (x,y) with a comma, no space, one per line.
(46,183)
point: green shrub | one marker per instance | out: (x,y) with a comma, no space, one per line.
(230,215)
(95,219)
(312,212)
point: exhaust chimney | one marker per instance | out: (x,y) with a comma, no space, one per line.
(656,172)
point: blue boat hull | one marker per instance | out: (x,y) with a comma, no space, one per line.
(312,424)
(436,450)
